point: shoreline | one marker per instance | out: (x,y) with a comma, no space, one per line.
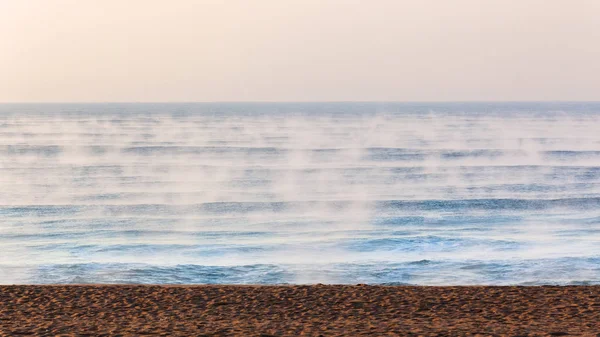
(295,310)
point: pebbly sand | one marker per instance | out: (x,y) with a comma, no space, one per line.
(328,310)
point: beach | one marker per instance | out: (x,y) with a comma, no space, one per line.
(327,310)
(433,201)
(298,168)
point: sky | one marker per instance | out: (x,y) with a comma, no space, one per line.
(299,50)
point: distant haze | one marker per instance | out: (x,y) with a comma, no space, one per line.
(299,50)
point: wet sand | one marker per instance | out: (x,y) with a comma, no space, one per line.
(298,310)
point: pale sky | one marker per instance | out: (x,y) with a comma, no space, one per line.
(298,50)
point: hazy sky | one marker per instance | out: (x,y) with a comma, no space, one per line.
(299,50)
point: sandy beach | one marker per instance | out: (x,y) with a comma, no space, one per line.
(327,310)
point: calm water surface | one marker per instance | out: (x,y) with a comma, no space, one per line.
(429,194)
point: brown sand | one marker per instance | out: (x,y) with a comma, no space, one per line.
(298,310)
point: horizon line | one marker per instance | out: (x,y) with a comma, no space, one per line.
(298,102)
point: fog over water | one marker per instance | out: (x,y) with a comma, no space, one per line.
(402,193)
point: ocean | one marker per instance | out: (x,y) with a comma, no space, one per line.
(300,193)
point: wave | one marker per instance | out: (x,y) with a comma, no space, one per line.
(566,271)
(242,207)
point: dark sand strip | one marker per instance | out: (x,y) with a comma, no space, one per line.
(298,310)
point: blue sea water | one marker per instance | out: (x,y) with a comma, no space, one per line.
(272,193)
